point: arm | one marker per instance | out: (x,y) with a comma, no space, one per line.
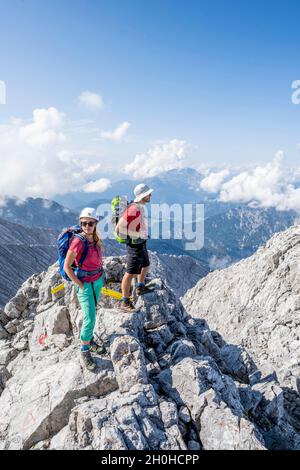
(68,269)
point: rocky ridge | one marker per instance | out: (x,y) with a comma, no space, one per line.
(256,303)
(166,382)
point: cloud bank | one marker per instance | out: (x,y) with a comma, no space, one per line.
(213,182)
(37,159)
(270,185)
(160,158)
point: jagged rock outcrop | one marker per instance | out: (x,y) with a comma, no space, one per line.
(166,382)
(256,303)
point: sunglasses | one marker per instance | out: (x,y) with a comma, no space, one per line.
(90,224)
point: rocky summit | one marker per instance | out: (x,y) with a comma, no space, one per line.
(167,381)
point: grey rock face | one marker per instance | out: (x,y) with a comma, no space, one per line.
(166,382)
(41,393)
(222,430)
(121,421)
(256,301)
(3,333)
(16,306)
(129,363)
(255,304)
(49,324)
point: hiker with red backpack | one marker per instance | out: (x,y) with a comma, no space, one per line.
(80,257)
(132,228)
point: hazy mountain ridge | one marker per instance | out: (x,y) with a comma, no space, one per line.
(37,212)
(23,251)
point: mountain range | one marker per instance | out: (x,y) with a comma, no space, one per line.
(36,212)
(231,231)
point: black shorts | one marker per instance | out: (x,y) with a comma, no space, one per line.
(137,258)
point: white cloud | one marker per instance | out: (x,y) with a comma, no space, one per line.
(91,100)
(160,158)
(118,133)
(38,161)
(263,186)
(90,170)
(213,182)
(45,128)
(98,186)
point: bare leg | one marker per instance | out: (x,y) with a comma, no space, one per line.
(126,284)
(142,275)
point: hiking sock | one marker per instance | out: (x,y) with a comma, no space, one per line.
(140,284)
(125,299)
(85,347)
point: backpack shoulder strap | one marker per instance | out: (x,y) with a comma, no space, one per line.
(85,248)
(131,203)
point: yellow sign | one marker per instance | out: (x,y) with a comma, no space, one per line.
(111,293)
(57,289)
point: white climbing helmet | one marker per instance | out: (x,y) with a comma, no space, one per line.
(89,212)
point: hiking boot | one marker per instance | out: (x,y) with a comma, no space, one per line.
(141,290)
(87,360)
(97,348)
(126,306)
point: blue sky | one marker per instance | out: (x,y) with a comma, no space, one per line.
(216,74)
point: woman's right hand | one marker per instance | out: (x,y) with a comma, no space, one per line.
(80,284)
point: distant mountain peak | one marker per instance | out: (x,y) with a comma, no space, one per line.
(36,212)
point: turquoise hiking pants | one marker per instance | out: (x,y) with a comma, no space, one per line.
(88,298)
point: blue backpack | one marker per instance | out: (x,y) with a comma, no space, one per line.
(63,243)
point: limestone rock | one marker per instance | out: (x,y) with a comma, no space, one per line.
(166,382)
(129,362)
(16,306)
(38,399)
(255,304)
